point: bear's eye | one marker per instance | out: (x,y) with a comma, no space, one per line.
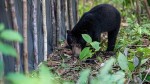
(69,40)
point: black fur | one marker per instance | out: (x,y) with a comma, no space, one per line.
(101,18)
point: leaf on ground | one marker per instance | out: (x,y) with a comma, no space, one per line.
(126,51)
(123,62)
(144,61)
(53,63)
(136,61)
(131,66)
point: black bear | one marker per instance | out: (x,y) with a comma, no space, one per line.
(101,18)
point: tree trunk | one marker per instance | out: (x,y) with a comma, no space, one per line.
(132,4)
(35,33)
(84,1)
(77,17)
(58,21)
(71,14)
(7,6)
(15,26)
(53,23)
(44,29)
(66,15)
(25,44)
(147,8)
(138,11)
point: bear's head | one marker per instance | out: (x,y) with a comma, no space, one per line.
(73,43)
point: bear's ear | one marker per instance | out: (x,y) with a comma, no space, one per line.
(68,31)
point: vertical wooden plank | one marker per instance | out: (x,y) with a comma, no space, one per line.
(25,43)
(76,8)
(44,29)
(34,3)
(71,14)
(1,69)
(66,15)
(15,26)
(58,21)
(147,8)
(53,23)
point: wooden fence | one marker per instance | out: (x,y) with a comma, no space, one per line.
(42,23)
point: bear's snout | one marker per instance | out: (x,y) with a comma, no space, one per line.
(76,50)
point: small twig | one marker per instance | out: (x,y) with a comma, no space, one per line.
(137,45)
(145,76)
(128,81)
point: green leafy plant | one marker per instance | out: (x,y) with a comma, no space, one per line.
(44,77)
(139,56)
(8,35)
(133,64)
(104,76)
(6,49)
(132,34)
(89,51)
